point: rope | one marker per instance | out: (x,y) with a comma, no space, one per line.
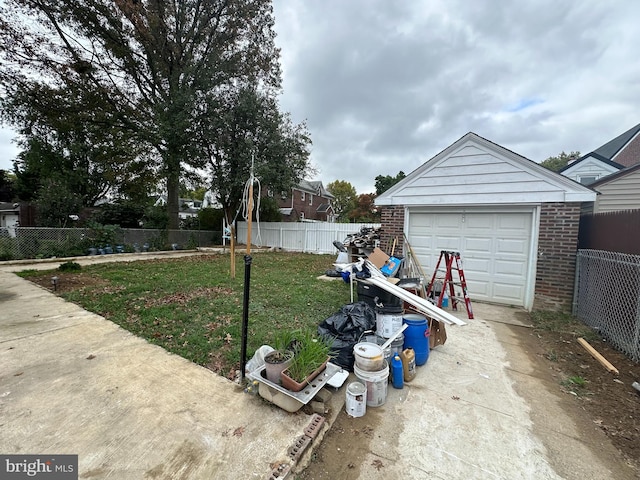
(245,205)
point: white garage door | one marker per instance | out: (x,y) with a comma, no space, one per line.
(494,247)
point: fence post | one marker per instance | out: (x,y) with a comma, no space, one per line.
(576,283)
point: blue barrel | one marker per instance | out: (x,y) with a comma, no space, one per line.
(416,336)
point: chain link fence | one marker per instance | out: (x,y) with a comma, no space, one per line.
(18,243)
(607,297)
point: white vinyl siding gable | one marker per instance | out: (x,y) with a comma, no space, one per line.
(589,167)
(475,171)
(622,193)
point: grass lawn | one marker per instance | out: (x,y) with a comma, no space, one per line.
(193,308)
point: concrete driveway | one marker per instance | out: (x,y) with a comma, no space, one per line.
(72,382)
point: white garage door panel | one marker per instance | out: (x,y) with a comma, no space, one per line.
(506,292)
(513,268)
(479,245)
(479,289)
(507,246)
(495,249)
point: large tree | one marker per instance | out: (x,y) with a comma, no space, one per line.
(385,182)
(560,161)
(148,65)
(345,198)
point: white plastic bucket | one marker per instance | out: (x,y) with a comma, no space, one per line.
(388,320)
(368,356)
(376,383)
(356,402)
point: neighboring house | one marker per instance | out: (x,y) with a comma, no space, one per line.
(621,152)
(308,200)
(187,207)
(10,217)
(619,191)
(514,222)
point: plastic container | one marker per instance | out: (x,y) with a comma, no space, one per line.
(397,372)
(368,356)
(356,401)
(376,383)
(408,357)
(372,295)
(416,336)
(388,320)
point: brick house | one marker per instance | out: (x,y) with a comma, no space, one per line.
(308,200)
(514,222)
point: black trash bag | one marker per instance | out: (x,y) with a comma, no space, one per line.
(345,327)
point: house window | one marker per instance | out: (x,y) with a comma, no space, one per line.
(269,193)
(302,196)
(587,180)
(311,199)
(302,214)
(283,194)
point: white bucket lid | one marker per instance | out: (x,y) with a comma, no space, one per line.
(367,350)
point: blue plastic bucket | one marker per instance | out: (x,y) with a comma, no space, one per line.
(416,336)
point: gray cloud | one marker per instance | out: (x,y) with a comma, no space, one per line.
(386,85)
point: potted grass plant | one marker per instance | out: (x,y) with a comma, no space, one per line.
(310,357)
(281,357)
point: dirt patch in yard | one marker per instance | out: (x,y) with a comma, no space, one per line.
(595,398)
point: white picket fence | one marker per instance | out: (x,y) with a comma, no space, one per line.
(308,237)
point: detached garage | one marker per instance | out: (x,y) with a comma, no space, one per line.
(514,222)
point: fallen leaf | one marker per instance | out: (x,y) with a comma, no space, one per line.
(238,432)
(351,465)
(17,374)
(378,464)
(455,397)
(228,338)
(91,357)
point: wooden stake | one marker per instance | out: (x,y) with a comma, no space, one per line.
(595,354)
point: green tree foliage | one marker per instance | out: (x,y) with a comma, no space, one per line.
(385,182)
(251,132)
(211,219)
(126,214)
(269,210)
(150,70)
(345,198)
(55,204)
(560,161)
(6,186)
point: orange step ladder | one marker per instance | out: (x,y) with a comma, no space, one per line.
(448,283)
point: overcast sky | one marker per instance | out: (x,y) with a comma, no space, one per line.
(386,85)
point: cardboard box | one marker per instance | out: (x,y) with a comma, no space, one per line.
(378,257)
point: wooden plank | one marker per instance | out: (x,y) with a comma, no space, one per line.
(422,304)
(595,354)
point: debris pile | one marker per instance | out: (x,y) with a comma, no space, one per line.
(367,237)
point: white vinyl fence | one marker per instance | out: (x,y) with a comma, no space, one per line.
(308,237)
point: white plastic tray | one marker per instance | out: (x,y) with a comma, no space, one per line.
(306,395)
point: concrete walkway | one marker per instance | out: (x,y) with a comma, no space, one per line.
(72,382)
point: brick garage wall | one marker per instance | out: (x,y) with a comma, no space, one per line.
(392,222)
(557,246)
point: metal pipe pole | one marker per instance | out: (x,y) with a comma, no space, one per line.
(245,316)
